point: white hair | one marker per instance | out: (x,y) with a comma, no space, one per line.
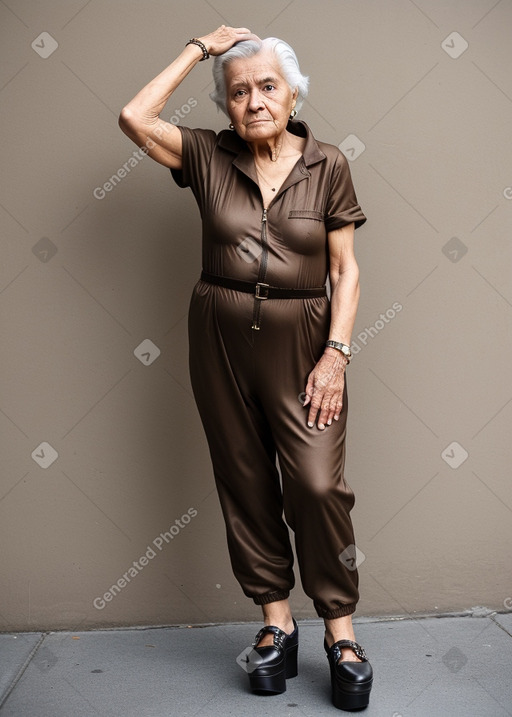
(247,48)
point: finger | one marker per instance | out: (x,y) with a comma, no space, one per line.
(339,402)
(243,33)
(308,391)
(329,405)
(324,415)
(334,408)
(313,411)
(337,410)
(317,401)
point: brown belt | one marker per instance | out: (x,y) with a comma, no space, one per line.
(261,290)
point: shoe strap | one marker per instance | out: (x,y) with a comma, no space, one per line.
(279,635)
(354,646)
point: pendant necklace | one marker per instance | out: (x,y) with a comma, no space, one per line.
(276,151)
(263,178)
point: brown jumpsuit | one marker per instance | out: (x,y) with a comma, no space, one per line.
(248,383)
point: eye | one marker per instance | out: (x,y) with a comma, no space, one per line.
(269,87)
(239,93)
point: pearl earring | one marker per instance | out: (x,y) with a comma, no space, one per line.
(293,113)
(231,125)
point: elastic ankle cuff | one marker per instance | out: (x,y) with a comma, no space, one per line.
(271,597)
(341,611)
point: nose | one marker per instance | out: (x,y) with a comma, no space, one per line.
(255,100)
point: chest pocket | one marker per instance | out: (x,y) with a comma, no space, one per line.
(305,232)
(306,214)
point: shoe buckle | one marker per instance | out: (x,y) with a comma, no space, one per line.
(258,637)
(279,636)
(354,646)
(359,651)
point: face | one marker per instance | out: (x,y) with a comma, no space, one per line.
(259,100)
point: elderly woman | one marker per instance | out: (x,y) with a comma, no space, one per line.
(268,349)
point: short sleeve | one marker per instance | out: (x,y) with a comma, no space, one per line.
(197,151)
(342,207)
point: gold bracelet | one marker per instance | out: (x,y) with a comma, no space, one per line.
(195,41)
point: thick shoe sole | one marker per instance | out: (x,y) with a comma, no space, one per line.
(350,696)
(275,684)
(267,684)
(351,700)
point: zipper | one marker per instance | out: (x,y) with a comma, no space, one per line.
(262,271)
(264,245)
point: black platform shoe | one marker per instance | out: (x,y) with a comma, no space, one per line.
(351,682)
(275,663)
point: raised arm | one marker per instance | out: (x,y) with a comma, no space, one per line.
(140,118)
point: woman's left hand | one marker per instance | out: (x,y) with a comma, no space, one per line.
(324,389)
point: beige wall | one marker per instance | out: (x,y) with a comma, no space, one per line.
(85,281)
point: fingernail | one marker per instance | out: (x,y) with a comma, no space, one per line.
(321,426)
(329,422)
(336,418)
(310,424)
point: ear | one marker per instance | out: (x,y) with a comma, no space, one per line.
(295,94)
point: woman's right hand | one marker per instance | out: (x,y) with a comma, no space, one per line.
(223,38)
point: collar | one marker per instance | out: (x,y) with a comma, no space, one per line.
(232,142)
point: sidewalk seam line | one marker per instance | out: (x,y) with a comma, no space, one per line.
(501,626)
(17,677)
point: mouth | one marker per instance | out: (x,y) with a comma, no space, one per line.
(257,121)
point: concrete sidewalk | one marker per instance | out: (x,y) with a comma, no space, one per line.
(424,667)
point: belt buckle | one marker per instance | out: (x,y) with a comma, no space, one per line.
(259,286)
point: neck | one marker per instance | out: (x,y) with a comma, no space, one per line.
(269,149)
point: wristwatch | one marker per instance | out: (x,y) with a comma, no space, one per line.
(345,350)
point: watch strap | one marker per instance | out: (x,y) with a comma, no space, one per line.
(344,348)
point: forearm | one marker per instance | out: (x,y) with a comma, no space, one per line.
(147,104)
(140,118)
(324,389)
(344,303)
